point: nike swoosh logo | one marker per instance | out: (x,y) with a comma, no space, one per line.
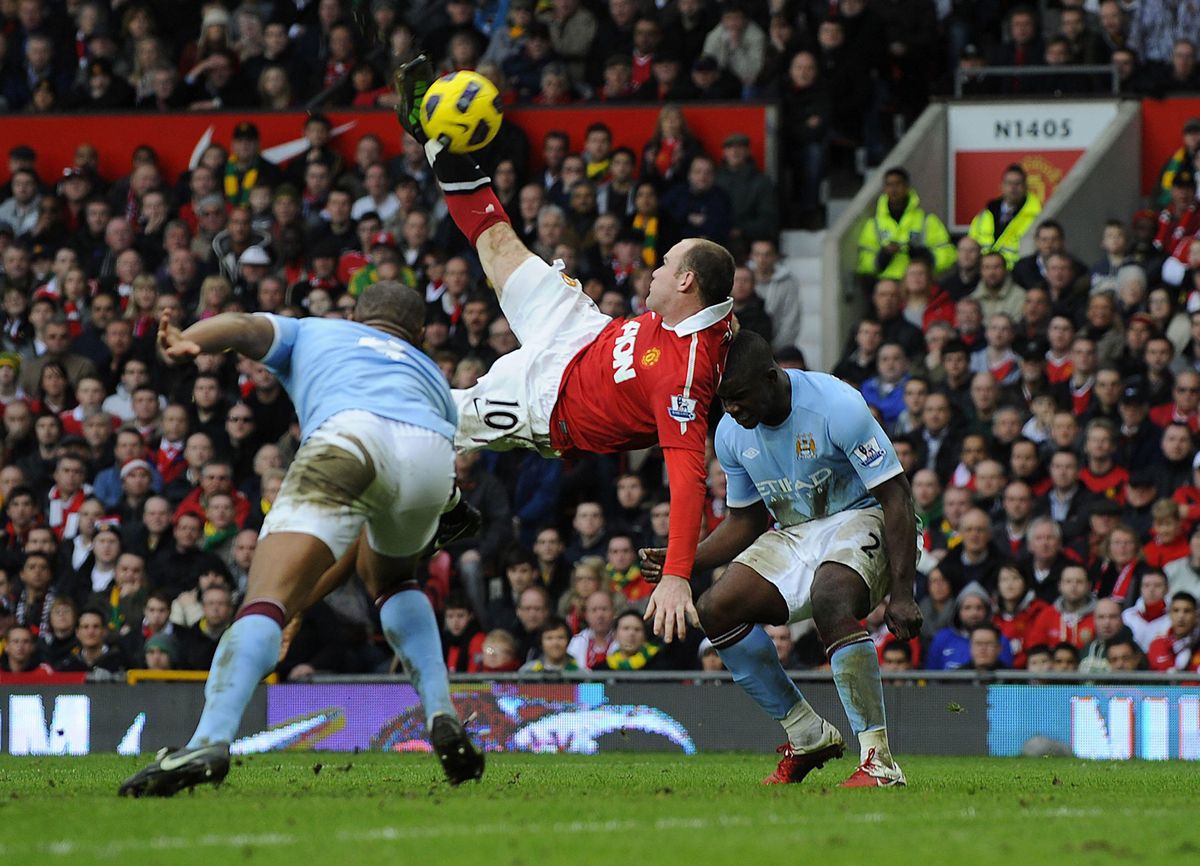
(174,762)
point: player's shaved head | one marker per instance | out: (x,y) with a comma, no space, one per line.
(750,357)
(392,306)
(754,389)
(712,266)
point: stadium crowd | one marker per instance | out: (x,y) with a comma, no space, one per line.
(1045,407)
(848,74)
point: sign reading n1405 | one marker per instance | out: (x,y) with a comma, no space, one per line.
(1016,130)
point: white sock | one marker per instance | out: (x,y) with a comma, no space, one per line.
(877,740)
(802,724)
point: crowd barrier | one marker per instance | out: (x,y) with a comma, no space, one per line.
(1150,717)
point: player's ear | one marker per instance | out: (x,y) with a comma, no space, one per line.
(687,282)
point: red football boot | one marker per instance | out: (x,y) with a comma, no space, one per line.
(872,774)
(795,765)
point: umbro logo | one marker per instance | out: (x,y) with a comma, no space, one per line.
(750,453)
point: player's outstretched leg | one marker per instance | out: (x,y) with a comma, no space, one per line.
(742,597)
(840,600)
(467,189)
(284,571)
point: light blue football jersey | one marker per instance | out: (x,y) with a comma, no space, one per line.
(333,365)
(822,460)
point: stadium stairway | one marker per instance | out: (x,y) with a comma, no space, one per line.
(802,253)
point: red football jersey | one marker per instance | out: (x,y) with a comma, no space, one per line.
(641,382)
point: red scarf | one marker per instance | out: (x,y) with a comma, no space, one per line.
(1124,582)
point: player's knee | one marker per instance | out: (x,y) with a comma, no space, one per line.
(835,601)
(711,618)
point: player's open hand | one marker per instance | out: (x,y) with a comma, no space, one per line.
(903,618)
(172,344)
(671,609)
(653,559)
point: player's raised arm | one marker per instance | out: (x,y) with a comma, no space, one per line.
(469,196)
(246,334)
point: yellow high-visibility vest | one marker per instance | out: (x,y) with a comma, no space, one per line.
(983,230)
(915,228)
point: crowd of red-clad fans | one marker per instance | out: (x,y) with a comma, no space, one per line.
(1045,407)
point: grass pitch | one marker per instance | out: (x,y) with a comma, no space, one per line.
(311,809)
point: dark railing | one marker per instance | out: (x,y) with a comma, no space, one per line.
(964,77)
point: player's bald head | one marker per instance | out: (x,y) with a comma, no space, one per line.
(750,358)
(390,303)
(712,267)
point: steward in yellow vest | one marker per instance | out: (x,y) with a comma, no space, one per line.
(898,226)
(1000,226)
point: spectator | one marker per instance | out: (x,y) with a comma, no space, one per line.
(755,206)
(1045,560)
(1148,617)
(462,638)
(58,642)
(807,107)
(977,560)
(533,612)
(938,606)
(1035,269)
(752,314)
(200,641)
(1169,543)
(1176,648)
(93,654)
(884,392)
(1183,575)
(963,278)
(1109,630)
(1000,226)
(500,652)
(624,573)
(996,292)
(985,649)
(555,637)
(887,301)
(632,651)
(899,226)
(21,653)
(1182,160)
(780,291)
(1071,619)
(926,302)
(704,208)
(1119,573)
(860,361)
(1017,609)
(592,645)
(161,652)
(950,648)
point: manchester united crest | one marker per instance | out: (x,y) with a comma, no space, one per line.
(650,356)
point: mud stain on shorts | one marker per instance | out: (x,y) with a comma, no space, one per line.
(327,474)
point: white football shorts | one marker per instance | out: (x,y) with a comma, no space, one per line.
(553,319)
(360,469)
(789,557)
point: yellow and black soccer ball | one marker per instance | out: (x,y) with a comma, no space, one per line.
(463,109)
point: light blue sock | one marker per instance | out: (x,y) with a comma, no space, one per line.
(411,630)
(755,667)
(856,673)
(247,652)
